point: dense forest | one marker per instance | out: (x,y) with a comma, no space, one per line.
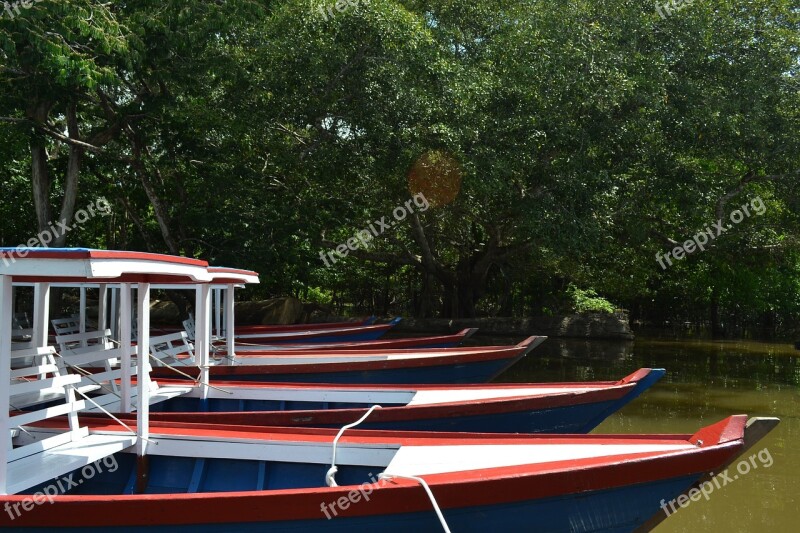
(431,158)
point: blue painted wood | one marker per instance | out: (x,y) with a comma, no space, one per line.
(614,510)
(479,372)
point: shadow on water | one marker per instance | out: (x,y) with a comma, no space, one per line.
(705,382)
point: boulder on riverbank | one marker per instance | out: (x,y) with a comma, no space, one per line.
(578,325)
(286,310)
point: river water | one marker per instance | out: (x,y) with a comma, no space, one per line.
(705,382)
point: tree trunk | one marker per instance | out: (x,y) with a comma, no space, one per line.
(716,326)
(40,177)
(71,181)
(159,207)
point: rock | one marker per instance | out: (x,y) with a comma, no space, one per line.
(580,325)
(164,312)
(286,310)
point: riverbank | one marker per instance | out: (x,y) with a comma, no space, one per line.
(612,326)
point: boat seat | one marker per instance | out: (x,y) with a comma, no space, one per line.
(35,398)
(27,472)
(112,402)
(169,349)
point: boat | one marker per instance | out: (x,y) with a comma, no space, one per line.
(533,408)
(111,475)
(434,341)
(495,408)
(337,334)
(273,328)
(478,364)
(211,478)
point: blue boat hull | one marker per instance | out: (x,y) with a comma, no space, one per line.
(572,419)
(478,372)
(612,510)
(366,336)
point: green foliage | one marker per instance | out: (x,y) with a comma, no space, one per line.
(589,136)
(587,301)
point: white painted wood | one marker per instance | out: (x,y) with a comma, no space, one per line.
(58,438)
(102,308)
(426,460)
(38,369)
(229,324)
(111,402)
(428,397)
(31,353)
(303,358)
(167,348)
(114,314)
(41,313)
(49,412)
(29,471)
(202,340)
(92,357)
(66,326)
(25,387)
(259,450)
(217,312)
(68,340)
(124,314)
(321,395)
(82,310)
(6,312)
(35,398)
(279,334)
(104,268)
(142,375)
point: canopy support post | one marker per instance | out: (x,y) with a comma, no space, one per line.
(142,368)
(202,333)
(6,312)
(124,316)
(229,322)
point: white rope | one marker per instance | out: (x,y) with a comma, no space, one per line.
(117,420)
(427,489)
(329,476)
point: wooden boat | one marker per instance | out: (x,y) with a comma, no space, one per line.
(273,328)
(496,408)
(108,475)
(441,365)
(338,334)
(435,341)
(217,478)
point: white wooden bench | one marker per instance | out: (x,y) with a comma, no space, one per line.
(58,460)
(34,457)
(168,349)
(66,326)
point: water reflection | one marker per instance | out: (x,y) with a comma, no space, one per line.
(705,382)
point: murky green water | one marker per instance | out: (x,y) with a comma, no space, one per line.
(705,382)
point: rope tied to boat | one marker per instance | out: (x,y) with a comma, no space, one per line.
(117,420)
(384,476)
(330,475)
